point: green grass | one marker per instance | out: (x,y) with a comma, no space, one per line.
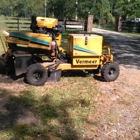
(132,34)
(109,26)
(59,111)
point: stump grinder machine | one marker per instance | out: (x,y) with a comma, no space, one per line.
(39,57)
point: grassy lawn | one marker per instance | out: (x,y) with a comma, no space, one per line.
(57,111)
(108,26)
(132,34)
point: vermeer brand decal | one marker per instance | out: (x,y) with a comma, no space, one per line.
(78,61)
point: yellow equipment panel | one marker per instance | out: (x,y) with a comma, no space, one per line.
(47,22)
(42,41)
(85,50)
(33,40)
(84,45)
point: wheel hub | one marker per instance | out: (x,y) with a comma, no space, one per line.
(111,71)
(37,75)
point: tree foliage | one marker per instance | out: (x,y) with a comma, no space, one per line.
(127,8)
(21,8)
(101,9)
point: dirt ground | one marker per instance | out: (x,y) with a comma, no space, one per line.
(120,106)
(119,103)
(121,98)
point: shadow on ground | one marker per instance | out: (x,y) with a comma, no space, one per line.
(68,73)
(126,49)
(12,79)
(24,117)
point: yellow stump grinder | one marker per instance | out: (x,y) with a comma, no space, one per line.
(39,57)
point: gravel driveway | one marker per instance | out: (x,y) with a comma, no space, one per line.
(120,102)
(126,49)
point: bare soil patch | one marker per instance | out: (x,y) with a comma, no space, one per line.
(119,106)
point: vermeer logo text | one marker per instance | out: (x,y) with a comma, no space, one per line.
(78,61)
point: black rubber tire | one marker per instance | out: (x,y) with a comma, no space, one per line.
(110,71)
(36,75)
(2,65)
(10,69)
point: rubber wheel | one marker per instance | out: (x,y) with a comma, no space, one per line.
(36,75)
(110,71)
(2,65)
